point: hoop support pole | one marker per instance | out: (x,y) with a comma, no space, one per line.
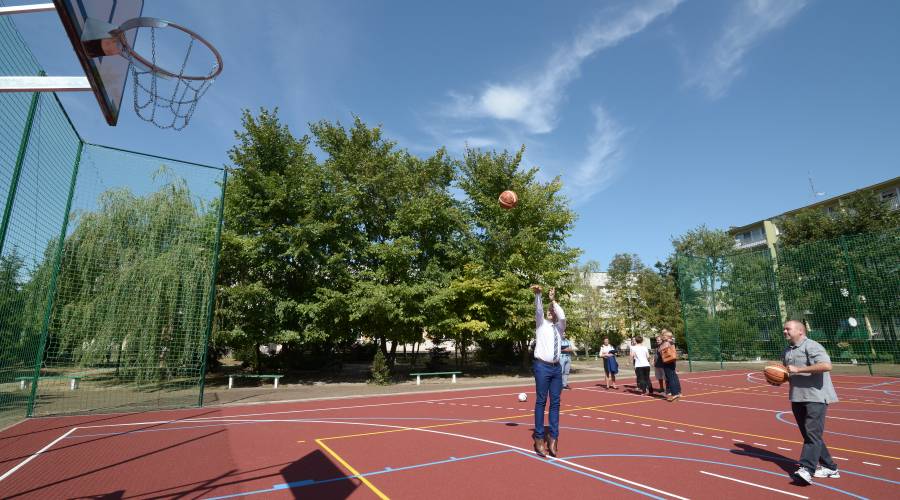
(44,84)
(26,9)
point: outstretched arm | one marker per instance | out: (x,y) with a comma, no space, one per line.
(560,318)
(538,306)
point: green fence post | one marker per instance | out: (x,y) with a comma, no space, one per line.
(212,289)
(712,311)
(51,292)
(687,343)
(779,313)
(17,170)
(854,290)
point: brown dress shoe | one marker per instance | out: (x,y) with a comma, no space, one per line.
(552,446)
(540,447)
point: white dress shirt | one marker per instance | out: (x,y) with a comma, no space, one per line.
(546,332)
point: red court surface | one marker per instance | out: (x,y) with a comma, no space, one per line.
(731,436)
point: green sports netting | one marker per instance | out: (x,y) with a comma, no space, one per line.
(846,291)
(107,264)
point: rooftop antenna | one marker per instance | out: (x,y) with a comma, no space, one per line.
(812,188)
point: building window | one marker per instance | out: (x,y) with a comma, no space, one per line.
(890,197)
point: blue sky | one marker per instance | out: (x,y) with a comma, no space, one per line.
(658,115)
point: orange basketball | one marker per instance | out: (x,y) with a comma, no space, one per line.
(508,199)
(776,374)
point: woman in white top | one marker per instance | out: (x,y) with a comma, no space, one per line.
(640,355)
(610,367)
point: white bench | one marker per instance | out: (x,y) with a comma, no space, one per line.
(74,380)
(428,374)
(232,377)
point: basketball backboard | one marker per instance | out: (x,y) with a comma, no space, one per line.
(106,75)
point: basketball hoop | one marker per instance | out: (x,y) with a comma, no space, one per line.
(164,97)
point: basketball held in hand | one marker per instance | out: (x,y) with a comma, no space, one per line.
(776,374)
(508,199)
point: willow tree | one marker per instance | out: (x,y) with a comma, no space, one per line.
(133,285)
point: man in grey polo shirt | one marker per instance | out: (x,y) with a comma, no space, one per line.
(811,393)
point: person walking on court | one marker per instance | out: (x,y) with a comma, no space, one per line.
(811,391)
(565,360)
(640,355)
(610,365)
(673,384)
(658,366)
(548,335)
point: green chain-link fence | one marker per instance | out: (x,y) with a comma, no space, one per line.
(107,259)
(846,291)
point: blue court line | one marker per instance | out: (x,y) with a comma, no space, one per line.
(771,456)
(716,463)
(674,441)
(264,421)
(877,385)
(780,419)
(141,431)
(386,470)
(718,448)
(583,473)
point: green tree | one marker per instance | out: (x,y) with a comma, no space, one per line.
(859,213)
(586,306)
(516,247)
(133,286)
(409,232)
(659,304)
(280,212)
(627,305)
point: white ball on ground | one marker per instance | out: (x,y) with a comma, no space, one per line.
(523,397)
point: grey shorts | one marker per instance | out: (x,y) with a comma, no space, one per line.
(660,373)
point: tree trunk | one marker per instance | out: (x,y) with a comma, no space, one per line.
(393,355)
(256,353)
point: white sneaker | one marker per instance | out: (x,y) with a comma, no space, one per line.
(826,472)
(803,475)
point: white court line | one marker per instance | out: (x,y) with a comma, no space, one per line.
(760,444)
(504,445)
(35,454)
(691,379)
(717,437)
(308,410)
(839,458)
(752,484)
(783,448)
(783,411)
(870,463)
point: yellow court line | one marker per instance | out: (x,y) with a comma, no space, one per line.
(741,433)
(474,421)
(520,415)
(845,400)
(353,471)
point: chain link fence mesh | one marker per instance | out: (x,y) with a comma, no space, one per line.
(846,291)
(107,263)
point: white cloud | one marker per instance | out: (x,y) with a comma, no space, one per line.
(749,22)
(533,102)
(604,155)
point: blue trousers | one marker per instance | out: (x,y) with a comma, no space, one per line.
(565,363)
(673,385)
(547,380)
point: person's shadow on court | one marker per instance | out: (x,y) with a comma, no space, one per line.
(788,465)
(316,476)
